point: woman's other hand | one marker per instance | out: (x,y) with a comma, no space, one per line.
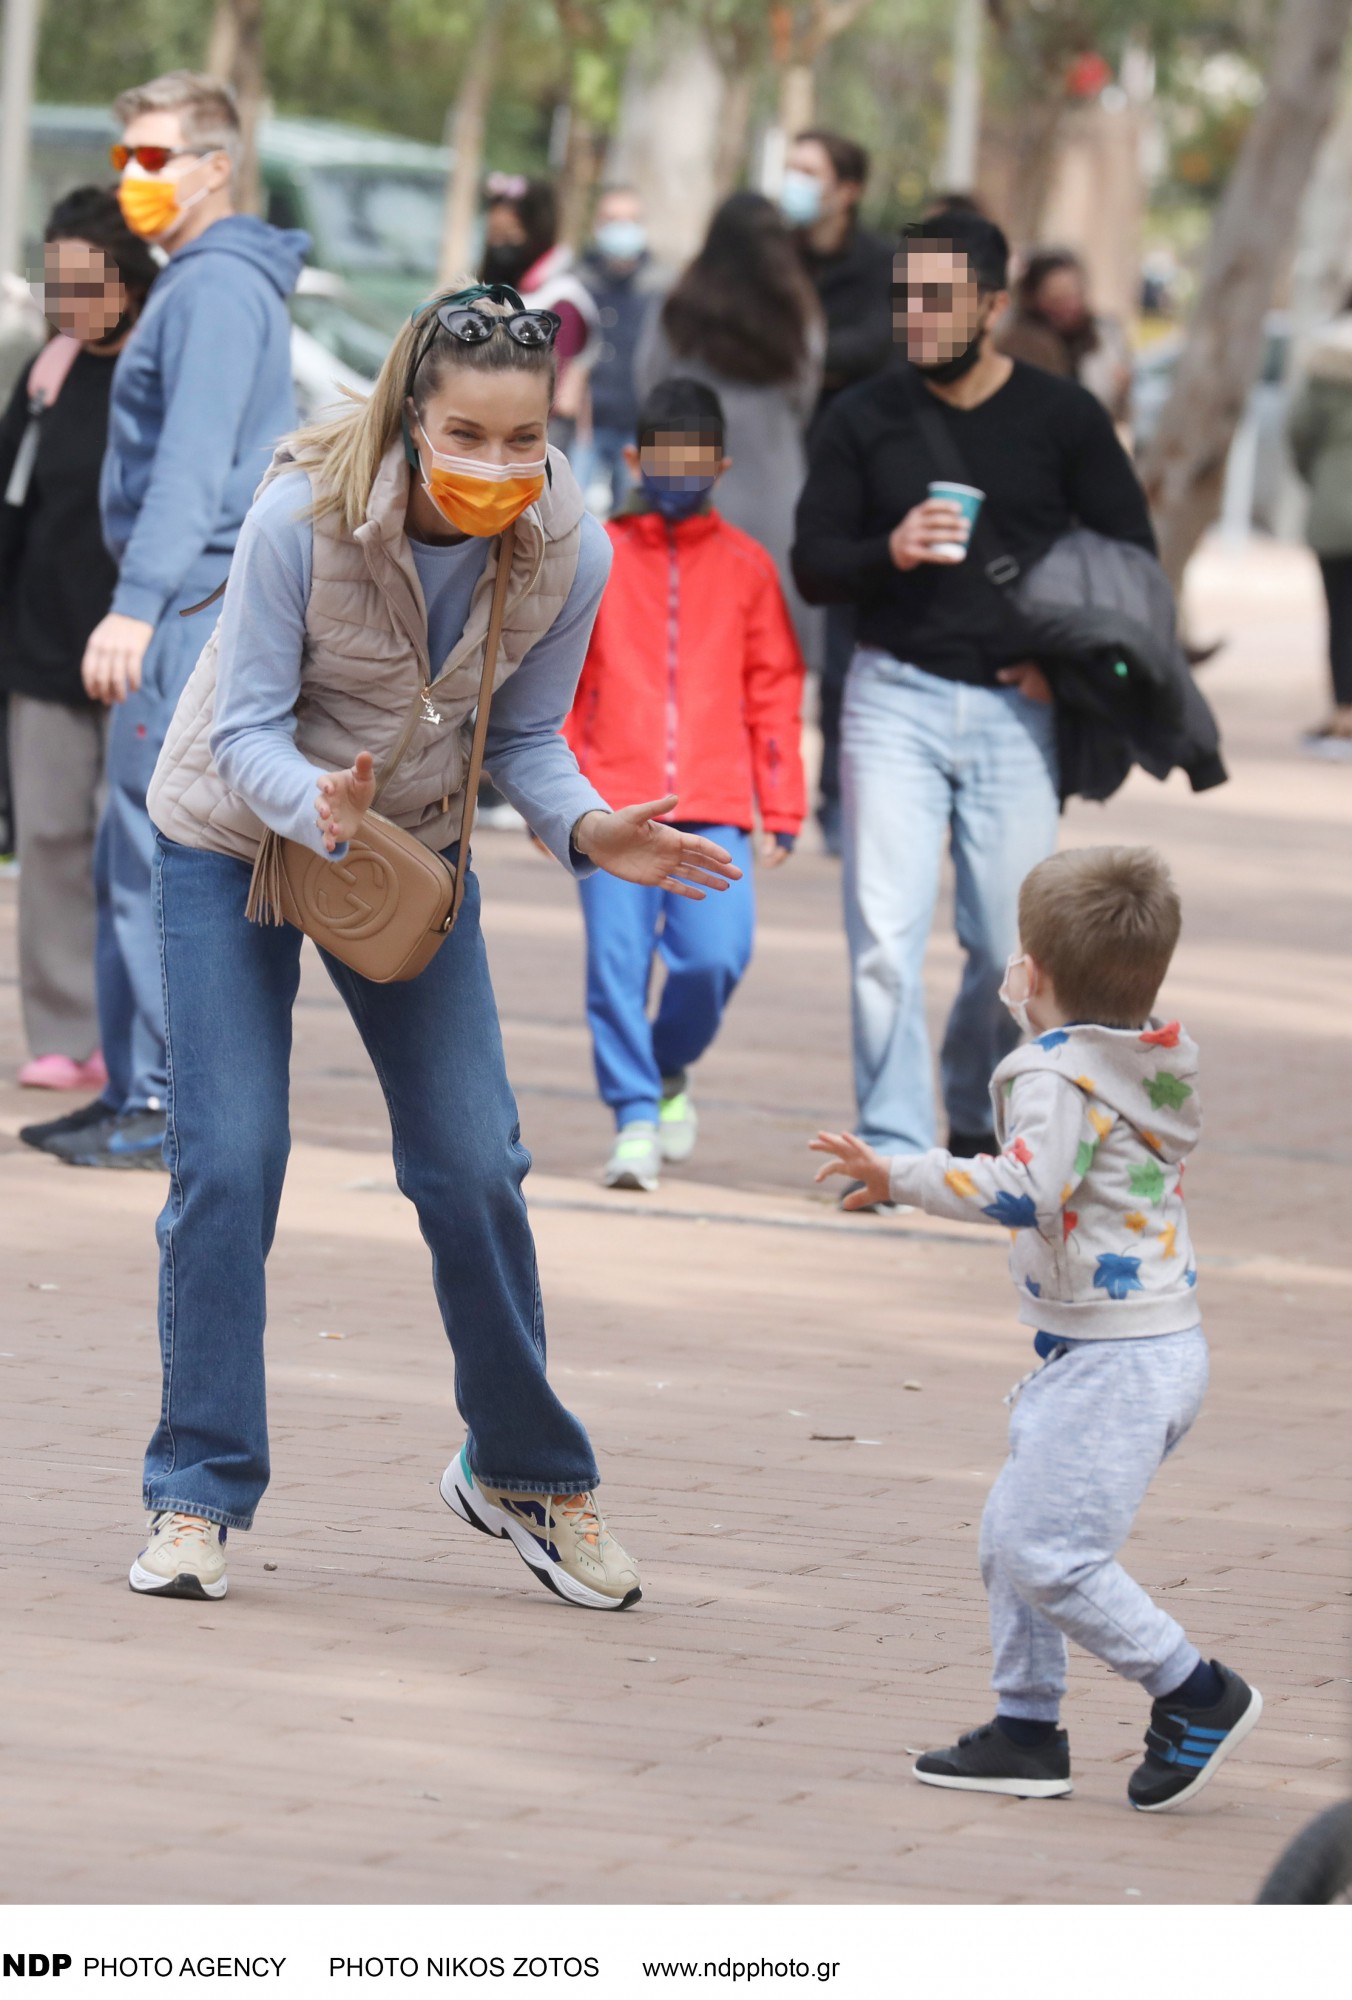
(773,852)
(633,845)
(344,800)
(111,668)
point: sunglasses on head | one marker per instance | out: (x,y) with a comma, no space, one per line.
(154,159)
(463,318)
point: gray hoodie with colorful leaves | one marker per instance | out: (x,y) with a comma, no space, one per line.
(1094,1126)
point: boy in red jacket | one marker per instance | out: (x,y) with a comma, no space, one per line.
(692,687)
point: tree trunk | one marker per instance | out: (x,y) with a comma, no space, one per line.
(577,175)
(666,138)
(235,55)
(797,99)
(468,120)
(733,129)
(1250,245)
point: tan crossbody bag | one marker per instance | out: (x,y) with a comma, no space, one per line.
(387,908)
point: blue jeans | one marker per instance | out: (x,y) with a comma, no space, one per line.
(434,1043)
(706,947)
(602,457)
(126,952)
(924,760)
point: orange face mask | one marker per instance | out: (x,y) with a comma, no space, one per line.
(151,207)
(481,499)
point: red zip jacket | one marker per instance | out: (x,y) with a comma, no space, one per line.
(693,682)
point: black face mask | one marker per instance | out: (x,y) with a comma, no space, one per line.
(957,366)
(505,263)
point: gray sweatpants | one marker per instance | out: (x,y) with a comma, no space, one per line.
(1086,1438)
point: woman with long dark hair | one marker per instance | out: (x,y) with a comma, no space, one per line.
(744,318)
(351,645)
(56,583)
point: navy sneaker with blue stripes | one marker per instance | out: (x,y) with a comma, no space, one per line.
(1185,1747)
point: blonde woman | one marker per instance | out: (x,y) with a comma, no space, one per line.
(364,570)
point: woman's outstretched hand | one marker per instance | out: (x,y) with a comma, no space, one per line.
(635,846)
(343,800)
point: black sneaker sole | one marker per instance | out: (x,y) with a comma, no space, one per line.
(1017,1788)
(180,1586)
(1247,1722)
(461,1507)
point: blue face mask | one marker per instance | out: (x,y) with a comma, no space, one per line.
(622,242)
(800,198)
(676,495)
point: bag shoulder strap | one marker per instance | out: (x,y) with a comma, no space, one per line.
(51,368)
(492,640)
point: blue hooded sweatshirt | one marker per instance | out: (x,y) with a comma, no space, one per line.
(201,393)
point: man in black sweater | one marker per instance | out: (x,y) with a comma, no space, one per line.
(825,175)
(948,733)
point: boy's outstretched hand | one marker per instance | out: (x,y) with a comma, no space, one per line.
(858,1162)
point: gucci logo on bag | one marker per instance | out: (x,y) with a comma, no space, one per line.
(355,897)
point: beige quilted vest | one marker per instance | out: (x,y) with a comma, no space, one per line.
(363,660)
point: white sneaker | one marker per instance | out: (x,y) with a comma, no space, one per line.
(183,1558)
(678,1126)
(561,1537)
(635,1159)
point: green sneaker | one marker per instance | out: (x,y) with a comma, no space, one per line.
(635,1159)
(678,1125)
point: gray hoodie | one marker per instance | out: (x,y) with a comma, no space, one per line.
(1094,1126)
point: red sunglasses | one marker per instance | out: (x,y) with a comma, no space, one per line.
(154,159)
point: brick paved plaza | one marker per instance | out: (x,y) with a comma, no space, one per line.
(797,1416)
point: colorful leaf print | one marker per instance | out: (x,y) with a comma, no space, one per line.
(1084,1157)
(1021,1151)
(1165,1037)
(961,1183)
(1053,1039)
(1166,1089)
(1169,1241)
(1147,1181)
(1118,1276)
(1069,1220)
(1101,1122)
(1015,1211)
(1135,1221)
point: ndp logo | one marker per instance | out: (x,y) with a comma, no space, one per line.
(34,1964)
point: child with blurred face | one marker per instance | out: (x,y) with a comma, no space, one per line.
(692,686)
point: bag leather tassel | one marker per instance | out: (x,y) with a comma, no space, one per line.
(265,884)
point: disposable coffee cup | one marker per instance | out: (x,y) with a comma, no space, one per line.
(969,499)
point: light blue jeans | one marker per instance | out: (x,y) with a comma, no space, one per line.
(924,760)
(434,1043)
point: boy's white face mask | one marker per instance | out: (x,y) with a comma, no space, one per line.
(1018,1008)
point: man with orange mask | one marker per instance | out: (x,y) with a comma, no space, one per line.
(200,396)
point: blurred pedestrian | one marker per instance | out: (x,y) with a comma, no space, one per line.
(626,284)
(825,176)
(366,574)
(948,735)
(56,583)
(744,318)
(200,394)
(1320,433)
(521,249)
(1053,326)
(693,685)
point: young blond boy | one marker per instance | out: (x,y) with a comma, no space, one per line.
(1095,1116)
